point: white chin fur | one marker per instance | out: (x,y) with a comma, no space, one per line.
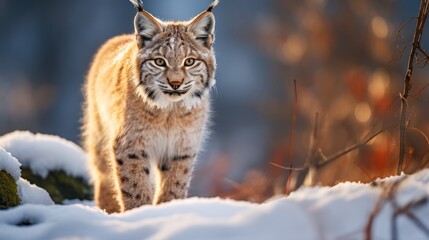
(188,101)
(160,102)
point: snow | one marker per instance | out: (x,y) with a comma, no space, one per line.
(9,164)
(32,194)
(175,220)
(28,192)
(342,211)
(339,212)
(44,153)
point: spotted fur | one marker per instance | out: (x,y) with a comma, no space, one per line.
(146,110)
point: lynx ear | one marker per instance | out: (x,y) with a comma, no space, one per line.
(203,25)
(146,27)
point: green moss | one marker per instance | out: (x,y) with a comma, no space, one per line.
(59,185)
(8,191)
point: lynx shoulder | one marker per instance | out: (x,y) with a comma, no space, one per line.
(146,109)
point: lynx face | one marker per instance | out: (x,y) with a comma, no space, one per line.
(176,60)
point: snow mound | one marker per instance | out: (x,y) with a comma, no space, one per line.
(10,164)
(44,153)
(339,212)
(176,220)
(28,193)
(342,211)
(32,194)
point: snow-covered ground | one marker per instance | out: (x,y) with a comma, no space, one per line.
(339,212)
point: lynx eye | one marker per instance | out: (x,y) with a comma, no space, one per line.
(160,62)
(189,62)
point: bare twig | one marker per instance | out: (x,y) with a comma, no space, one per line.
(421,19)
(364,171)
(234,184)
(312,158)
(388,193)
(406,210)
(399,36)
(420,90)
(416,98)
(335,156)
(292,138)
(423,52)
(306,176)
(314,141)
(418,223)
(321,154)
(313,164)
(287,168)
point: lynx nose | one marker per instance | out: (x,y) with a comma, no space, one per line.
(175,84)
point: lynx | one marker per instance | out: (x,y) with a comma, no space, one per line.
(146,109)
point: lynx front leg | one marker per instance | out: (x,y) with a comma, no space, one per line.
(134,178)
(106,194)
(174,178)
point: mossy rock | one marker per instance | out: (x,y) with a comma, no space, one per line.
(8,191)
(59,185)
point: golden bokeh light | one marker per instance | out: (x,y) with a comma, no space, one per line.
(294,49)
(379,27)
(378,84)
(363,112)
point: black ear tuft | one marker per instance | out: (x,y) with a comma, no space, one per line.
(212,5)
(137,4)
(203,25)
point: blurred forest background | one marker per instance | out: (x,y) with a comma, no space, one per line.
(348,58)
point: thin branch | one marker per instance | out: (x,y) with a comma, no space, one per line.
(406,210)
(398,35)
(312,159)
(287,168)
(364,171)
(420,90)
(422,61)
(394,228)
(234,184)
(314,141)
(321,154)
(416,98)
(418,223)
(339,154)
(292,138)
(423,51)
(421,19)
(388,194)
(374,213)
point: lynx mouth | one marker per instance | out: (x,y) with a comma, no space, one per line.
(175,93)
